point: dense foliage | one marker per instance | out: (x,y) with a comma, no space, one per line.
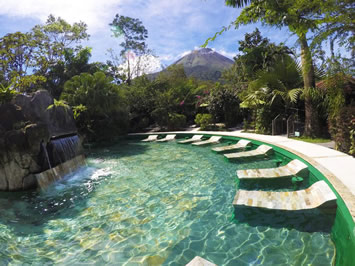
(99,105)
(266,79)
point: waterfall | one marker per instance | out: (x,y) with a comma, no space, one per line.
(44,149)
(63,149)
(63,156)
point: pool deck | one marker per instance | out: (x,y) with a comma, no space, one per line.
(337,167)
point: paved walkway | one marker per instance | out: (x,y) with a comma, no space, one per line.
(330,144)
(337,167)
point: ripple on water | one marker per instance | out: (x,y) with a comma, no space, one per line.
(152,204)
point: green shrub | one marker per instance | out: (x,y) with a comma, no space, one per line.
(176,121)
(342,129)
(160,116)
(6,93)
(352,137)
(99,106)
(246,125)
(78,110)
(58,103)
(203,120)
(263,120)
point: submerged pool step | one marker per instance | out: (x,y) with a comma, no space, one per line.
(242,144)
(314,196)
(261,150)
(295,167)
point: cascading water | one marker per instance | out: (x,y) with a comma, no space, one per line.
(64,149)
(44,150)
(63,156)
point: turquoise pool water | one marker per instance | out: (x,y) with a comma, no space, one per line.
(152,204)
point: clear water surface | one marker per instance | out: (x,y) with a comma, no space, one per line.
(152,204)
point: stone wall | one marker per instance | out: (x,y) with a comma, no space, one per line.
(25,124)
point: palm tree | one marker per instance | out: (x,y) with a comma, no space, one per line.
(282,81)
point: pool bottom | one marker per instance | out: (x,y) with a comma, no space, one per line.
(155,203)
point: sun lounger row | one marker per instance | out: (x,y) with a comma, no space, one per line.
(167,138)
(195,140)
(316,195)
(155,138)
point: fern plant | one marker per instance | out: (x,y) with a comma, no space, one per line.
(7,93)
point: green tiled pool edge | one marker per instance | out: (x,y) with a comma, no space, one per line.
(343,231)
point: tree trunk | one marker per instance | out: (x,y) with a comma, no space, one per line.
(312,123)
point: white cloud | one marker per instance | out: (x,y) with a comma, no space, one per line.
(183,54)
(97,14)
(140,65)
(174,26)
(226,53)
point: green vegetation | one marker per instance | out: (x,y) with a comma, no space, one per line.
(100,107)
(7,93)
(203,120)
(261,79)
(265,80)
(59,103)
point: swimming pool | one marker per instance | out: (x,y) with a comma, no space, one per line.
(156,203)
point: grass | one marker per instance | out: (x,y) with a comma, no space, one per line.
(312,140)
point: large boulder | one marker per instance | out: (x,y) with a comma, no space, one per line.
(26,126)
(40,108)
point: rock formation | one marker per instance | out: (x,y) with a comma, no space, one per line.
(26,126)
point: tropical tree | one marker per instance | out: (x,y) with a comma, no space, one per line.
(273,91)
(75,62)
(223,103)
(32,60)
(17,58)
(256,53)
(52,40)
(301,17)
(338,26)
(132,48)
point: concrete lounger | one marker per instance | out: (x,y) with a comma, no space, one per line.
(211,140)
(190,140)
(167,138)
(240,145)
(151,138)
(292,168)
(198,261)
(261,150)
(314,196)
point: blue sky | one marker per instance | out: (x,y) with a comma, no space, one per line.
(175,27)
